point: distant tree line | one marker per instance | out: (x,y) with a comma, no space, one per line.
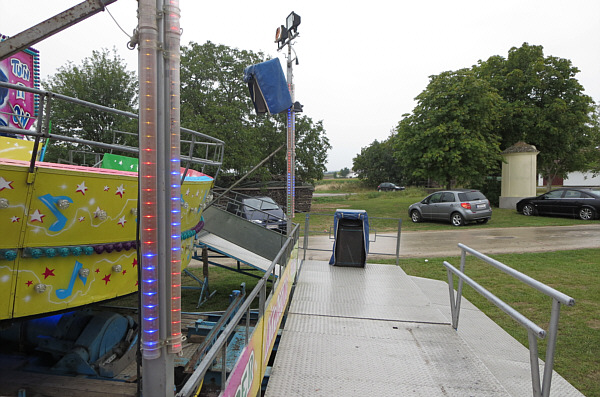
(464,119)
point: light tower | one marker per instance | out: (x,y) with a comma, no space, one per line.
(284,36)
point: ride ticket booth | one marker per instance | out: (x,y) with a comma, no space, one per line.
(351,238)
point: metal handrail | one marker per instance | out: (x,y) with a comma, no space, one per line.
(540,389)
(307,233)
(42,130)
(220,345)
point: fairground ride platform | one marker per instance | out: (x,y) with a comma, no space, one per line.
(376,331)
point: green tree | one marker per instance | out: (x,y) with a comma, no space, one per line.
(451,135)
(215,101)
(545,106)
(344,172)
(376,163)
(103,79)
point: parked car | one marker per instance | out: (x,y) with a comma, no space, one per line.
(459,207)
(262,211)
(388,186)
(581,203)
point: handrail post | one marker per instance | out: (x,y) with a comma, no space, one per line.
(306,228)
(534,364)
(452,300)
(550,347)
(398,243)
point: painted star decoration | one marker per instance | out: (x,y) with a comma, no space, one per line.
(120,190)
(4,184)
(48,273)
(122,221)
(37,216)
(81,218)
(106,279)
(134,263)
(106,188)
(81,188)
(14,219)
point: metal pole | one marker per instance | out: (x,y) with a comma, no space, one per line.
(291,145)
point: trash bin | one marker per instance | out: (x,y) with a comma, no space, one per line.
(351,238)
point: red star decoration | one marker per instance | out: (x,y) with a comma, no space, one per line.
(48,273)
(124,271)
(97,270)
(29,283)
(136,283)
(106,279)
(134,262)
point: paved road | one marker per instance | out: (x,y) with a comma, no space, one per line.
(488,241)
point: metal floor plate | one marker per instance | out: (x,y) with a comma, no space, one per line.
(371,331)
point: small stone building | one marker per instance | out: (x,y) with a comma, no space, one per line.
(519,174)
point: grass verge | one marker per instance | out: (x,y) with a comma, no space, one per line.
(395,205)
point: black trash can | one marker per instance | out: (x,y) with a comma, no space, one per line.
(351,238)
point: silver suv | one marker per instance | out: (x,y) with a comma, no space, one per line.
(457,206)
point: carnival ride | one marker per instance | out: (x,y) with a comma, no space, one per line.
(69,232)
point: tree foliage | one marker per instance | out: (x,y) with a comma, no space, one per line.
(376,163)
(545,106)
(215,101)
(451,135)
(103,79)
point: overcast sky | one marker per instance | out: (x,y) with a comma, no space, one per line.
(361,64)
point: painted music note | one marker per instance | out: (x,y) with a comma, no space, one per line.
(65,293)
(51,202)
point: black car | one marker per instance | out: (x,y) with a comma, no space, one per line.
(262,211)
(581,203)
(388,186)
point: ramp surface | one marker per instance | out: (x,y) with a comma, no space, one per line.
(372,331)
(242,255)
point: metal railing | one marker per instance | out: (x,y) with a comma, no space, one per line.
(203,149)
(373,235)
(540,389)
(219,348)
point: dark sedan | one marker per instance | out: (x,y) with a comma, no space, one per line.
(388,186)
(581,203)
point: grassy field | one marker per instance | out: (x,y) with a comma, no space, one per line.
(395,205)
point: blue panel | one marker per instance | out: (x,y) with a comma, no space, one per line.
(268,87)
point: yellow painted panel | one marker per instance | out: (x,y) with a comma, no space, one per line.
(100,208)
(7,279)
(73,281)
(17,149)
(13,187)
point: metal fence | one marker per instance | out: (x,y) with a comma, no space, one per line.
(540,389)
(199,148)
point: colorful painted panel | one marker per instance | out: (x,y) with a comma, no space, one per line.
(18,108)
(75,207)
(13,204)
(68,237)
(46,285)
